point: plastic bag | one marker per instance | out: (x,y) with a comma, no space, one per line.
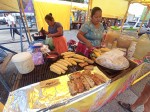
(114,60)
(38,58)
(111,36)
(131,50)
(49,41)
(142,47)
(124,41)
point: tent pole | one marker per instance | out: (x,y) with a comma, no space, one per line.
(89,8)
(147,11)
(21,5)
(21,35)
(125,16)
(70,15)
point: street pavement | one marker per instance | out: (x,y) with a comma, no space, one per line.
(6,37)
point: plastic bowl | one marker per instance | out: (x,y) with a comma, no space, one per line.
(53,56)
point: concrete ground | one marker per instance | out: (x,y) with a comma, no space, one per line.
(6,37)
(128,96)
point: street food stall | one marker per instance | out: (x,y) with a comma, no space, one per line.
(73,82)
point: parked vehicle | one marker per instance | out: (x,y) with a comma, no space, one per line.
(133,25)
(2,19)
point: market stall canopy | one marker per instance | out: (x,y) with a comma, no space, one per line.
(111,8)
(61,11)
(9,5)
(144,2)
(115,8)
(78,6)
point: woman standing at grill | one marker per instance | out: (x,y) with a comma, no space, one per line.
(91,33)
(55,31)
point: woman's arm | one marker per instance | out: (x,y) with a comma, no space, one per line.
(81,37)
(58,33)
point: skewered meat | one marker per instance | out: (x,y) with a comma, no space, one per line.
(75,75)
(85,83)
(80,85)
(86,72)
(103,80)
(89,80)
(72,87)
(95,79)
(90,67)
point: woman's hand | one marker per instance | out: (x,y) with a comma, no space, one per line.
(89,45)
(49,35)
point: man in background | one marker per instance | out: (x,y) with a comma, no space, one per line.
(12,24)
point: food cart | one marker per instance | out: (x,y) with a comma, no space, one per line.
(31,93)
(38,95)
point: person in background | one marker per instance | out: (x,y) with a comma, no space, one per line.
(55,31)
(104,24)
(144,98)
(12,23)
(91,33)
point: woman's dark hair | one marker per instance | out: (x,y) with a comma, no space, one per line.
(50,14)
(49,17)
(94,10)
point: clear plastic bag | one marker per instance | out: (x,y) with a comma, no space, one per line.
(142,47)
(49,41)
(114,60)
(111,36)
(124,41)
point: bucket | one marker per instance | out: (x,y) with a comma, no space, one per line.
(23,62)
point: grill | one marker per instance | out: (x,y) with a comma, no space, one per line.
(42,72)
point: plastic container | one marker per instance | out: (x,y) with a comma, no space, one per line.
(23,62)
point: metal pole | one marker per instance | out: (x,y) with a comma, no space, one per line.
(24,28)
(8,49)
(22,11)
(21,4)
(21,43)
(125,16)
(70,15)
(147,11)
(89,9)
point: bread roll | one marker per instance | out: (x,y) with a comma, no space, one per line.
(61,66)
(67,62)
(58,68)
(55,70)
(77,60)
(62,63)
